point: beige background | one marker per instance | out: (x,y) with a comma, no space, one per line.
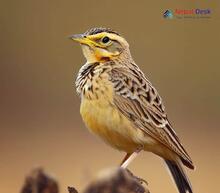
(39,111)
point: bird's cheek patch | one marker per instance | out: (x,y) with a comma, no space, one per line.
(102,53)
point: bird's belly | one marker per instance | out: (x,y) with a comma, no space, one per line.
(104,120)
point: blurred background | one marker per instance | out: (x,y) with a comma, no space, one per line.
(40,123)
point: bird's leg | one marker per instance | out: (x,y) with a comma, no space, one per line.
(129,158)
(125,158)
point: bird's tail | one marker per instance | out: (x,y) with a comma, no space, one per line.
(179,176)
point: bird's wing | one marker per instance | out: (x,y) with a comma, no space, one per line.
(139,101)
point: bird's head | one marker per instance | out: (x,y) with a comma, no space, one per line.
(101,44)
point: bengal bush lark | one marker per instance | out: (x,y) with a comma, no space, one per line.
(119,104)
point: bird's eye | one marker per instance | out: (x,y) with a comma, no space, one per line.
(105,40)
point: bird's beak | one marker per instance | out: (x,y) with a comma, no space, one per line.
(81,38)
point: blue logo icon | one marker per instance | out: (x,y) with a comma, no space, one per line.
(168,14)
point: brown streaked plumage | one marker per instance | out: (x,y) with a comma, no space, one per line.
(121,106)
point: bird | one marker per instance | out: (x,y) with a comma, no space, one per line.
(120,105)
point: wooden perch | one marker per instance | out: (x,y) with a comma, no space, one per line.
(39,182)
(115,181)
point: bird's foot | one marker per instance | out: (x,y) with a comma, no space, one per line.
(142,181)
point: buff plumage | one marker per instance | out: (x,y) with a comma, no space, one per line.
(119,104)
